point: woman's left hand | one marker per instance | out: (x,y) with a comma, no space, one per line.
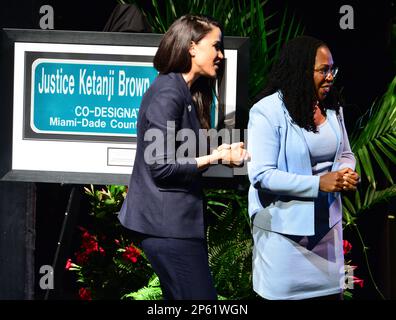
(351,180)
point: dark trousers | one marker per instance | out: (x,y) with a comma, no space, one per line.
(182,267)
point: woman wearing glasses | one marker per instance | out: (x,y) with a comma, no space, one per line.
(300,162)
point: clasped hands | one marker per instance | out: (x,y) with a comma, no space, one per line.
(232,155)
(342,180)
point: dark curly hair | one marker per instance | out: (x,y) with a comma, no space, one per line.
(292,75)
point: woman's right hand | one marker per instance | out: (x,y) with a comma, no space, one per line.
(233,154)
(332,181)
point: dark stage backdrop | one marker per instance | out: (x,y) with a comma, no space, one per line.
(363,55)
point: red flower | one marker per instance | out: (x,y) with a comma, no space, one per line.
(358,281)
(131,253)
(89,245)
(346,246)
(68,264)
(81,258)
(85,294)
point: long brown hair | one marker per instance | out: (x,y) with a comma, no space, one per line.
(173,55)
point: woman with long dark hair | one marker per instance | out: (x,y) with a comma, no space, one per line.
(164,201)
(300,162)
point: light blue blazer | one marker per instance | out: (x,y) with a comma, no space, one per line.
(282,190)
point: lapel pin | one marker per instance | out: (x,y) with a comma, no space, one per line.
(189,108)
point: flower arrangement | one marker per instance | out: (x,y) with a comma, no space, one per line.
(350,279)
(108,264)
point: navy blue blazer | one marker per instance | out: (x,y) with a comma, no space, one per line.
(165,197)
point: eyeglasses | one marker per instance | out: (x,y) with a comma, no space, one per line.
(326,71)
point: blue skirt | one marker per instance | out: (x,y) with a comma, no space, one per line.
(292,267)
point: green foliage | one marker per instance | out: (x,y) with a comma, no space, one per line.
(244,18)
(374,146)
(106,202)
(230,243)
(108,264)
(150,292)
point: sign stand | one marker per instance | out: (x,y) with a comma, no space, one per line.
(65,237)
